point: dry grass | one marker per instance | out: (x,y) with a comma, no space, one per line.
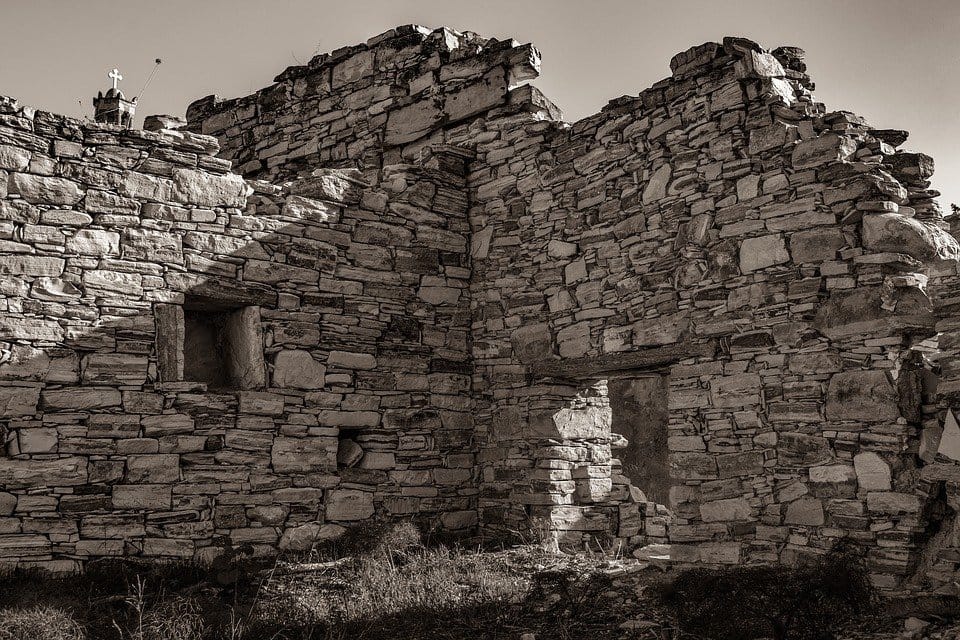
(374,584)
(38,623)
(371,584)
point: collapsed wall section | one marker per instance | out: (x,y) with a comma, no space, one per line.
(369,105)
(337,309)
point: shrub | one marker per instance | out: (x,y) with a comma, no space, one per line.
(806,602)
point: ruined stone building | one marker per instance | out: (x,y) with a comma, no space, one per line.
(395,284)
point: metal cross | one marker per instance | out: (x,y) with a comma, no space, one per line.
(115,76)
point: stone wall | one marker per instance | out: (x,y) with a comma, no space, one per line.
(721,229)
(369,105)
(462,319)
(769,255)
(349,401)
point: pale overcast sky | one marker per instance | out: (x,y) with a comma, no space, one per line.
(897,63)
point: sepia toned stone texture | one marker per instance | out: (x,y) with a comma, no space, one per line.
(394,284)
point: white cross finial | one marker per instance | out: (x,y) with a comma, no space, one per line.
(115,76)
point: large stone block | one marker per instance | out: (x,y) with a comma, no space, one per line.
(142,497)
(656,188)
(829,147)
(738,390)
(209,190)
(351,360)
(412,121)
(762,252)
(153,469)
(805,511)
(303,455)
(873,311)
(341,186)
(94,242)
(20,265)
(816,245)
(13,158)
(873,473)
(18,401)
(80,399)
(666,329)
(45,190)
(476,97)
(153,245)
(583,423)
(113,368)
(533,343)
(728,510)
(802,450)
(864,396)
(60,472)
(895,233)
(305,536)
(297,369)
(892,503)
(344,505)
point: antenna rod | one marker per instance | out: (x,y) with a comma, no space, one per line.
(156,66)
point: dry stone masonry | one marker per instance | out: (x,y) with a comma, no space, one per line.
(713,321)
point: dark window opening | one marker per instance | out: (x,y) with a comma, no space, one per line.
(205,348)
(211,342)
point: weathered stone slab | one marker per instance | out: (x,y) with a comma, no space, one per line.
(59,472)
(18,401)
(762,252)
(728,510)
(33,266)
(865,396)
(153,469)
(873,473)
(303,455)
(208,190)
(298,369)
(94,242)
(113,368)
(80,398)
(45,190)
(344,505)
(826,148)
(805,512)
(899,234)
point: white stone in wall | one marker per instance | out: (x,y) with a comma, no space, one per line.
(873,473)
(208,190)
(350,360)
(950,438)
(13,158)
(94,242)
(46,190)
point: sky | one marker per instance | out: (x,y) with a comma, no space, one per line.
(897,63)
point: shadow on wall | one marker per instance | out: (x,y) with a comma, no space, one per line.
(260,378)
(558,471)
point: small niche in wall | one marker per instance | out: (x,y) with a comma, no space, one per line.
(207,341)
(349,451)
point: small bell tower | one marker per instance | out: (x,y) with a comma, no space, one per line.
(112,107)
